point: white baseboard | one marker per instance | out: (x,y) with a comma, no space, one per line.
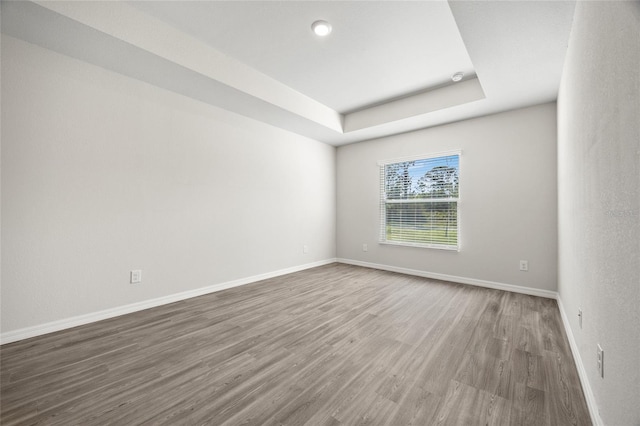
(38,330)
(453,278)
(582,373)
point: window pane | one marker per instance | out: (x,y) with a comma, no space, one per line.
(428,178)
(419,201)
(423,223)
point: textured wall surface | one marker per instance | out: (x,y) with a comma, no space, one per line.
(508,198)
(599,200)
(102,174)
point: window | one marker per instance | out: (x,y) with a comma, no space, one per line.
(419,201)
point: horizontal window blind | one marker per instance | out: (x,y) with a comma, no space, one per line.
(419,200)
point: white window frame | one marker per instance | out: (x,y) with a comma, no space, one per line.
(384,201)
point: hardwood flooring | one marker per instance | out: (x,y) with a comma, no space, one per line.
(334,345)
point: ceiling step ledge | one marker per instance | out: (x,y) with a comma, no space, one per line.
(455,94)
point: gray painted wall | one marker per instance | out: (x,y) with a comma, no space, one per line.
(508,196)
(599,202)
(103,174)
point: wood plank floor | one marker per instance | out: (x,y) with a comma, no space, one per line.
(334,345)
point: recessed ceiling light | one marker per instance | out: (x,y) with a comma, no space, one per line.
(321,28)
(457,76)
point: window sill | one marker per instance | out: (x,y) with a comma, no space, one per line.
(418,245)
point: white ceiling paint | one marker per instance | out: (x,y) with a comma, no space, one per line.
(418,105)
(517,49)
(378,50)
(518,46)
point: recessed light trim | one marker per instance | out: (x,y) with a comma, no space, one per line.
(457,76)
(321,28)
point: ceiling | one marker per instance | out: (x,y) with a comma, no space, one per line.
(377,50)
(385,69)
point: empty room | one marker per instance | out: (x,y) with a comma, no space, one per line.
(320,213)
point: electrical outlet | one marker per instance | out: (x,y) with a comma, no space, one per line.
(365,247)
(136,276)
(305,249)
(600,361)
(524,265)
(580,317)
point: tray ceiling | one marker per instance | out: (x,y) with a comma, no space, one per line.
(385,68)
